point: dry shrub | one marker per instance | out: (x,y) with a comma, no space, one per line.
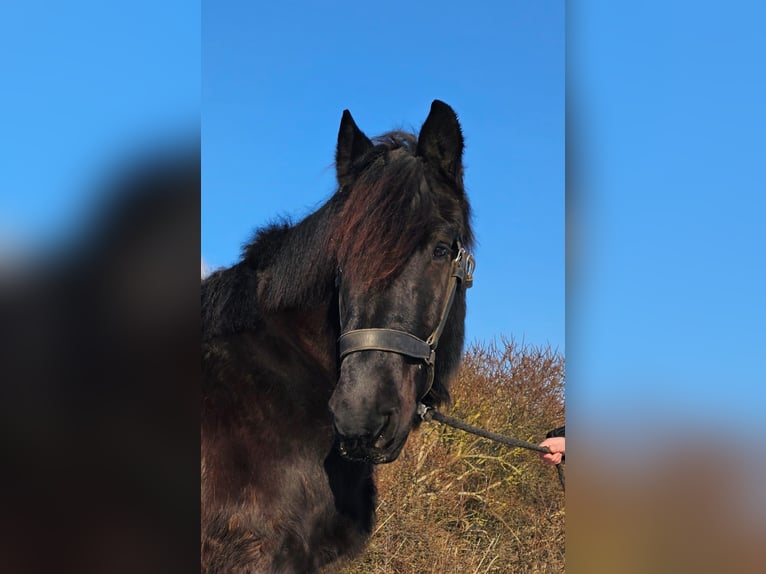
(454,502)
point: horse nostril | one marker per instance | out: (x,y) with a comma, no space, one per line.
(383,427)
(381,438)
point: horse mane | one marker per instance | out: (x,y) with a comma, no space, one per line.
(283,266)
(393,207)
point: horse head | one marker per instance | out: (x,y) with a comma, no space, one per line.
(401,239)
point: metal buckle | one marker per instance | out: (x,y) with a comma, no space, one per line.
(422,412)
(463,266)
(469,265)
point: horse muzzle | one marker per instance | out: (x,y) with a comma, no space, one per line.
(375,438)
(359,449)
(371,407)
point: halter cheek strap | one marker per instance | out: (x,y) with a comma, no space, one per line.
(403,343)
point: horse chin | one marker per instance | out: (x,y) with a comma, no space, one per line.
(371,454)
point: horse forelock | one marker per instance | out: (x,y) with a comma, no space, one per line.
(392,208)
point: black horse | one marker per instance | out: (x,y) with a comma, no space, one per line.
(319,345)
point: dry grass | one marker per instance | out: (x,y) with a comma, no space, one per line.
(454,502)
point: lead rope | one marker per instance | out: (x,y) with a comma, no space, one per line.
(428,413)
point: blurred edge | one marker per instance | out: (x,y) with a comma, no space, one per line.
(657,483)
(99,286)
(100,369)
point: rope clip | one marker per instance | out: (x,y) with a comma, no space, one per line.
(424,412)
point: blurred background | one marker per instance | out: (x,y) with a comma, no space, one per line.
(99,297)
(665,287)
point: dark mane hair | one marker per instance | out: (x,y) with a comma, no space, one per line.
(396,194)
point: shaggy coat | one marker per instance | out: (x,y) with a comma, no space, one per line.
(277,496)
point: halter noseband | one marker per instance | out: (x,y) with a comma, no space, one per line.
(403,343)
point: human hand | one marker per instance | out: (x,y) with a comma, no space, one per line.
(556,446)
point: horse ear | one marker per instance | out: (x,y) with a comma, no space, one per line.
(352,144)
(441,140)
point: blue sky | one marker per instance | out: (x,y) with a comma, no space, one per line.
(277,76)
(84,83)
(665,303)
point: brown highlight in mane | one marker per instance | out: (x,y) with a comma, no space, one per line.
(392,209)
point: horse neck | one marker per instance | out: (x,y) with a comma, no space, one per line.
(300,273)
(286,270)
(297,293)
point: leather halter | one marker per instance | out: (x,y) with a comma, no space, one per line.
(404,343)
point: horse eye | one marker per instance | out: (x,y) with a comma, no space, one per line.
(440,252)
